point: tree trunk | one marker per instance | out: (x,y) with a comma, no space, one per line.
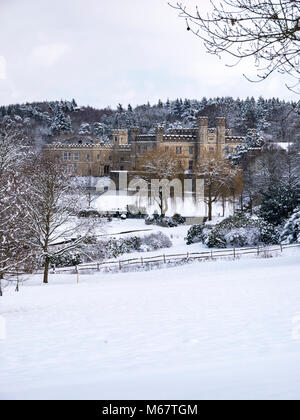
(210,210)
(210,203)
(46,269)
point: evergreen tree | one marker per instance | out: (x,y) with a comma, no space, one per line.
(291,231)
(279,202)
(61,123)
(84,129)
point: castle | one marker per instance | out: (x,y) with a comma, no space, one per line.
(95,158)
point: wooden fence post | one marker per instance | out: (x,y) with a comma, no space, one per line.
(77,273)
(234,253)
(258,250)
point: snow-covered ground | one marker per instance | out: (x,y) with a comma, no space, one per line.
(227,329)
(119,201)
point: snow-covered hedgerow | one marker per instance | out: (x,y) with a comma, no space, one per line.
(238,231)
(114,248)
(291,230)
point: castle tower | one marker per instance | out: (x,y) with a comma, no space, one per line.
(202,140)
(134,132)
(160,131)
(120,137)
(221,133)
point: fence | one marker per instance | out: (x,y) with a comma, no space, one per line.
(143,262)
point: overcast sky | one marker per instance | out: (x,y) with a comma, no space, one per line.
(102,52)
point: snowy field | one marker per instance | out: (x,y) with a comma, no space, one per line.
(214,330)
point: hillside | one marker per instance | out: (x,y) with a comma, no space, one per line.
(46,121)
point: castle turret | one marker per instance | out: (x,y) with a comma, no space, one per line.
(134,132)
(120,137)
(160,131)
(202,136)
(221,133)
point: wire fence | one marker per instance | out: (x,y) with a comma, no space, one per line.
(167,259)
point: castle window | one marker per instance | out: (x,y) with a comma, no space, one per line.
(191,165)
(191,150)
(67,155)
(98,156)
(106,170)
(122,159)
(121,168)
(88,158)
(116,139)
(211,149)
(110,157)
(76,155)
(178,150)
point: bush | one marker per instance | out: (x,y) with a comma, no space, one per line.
(155,241)
(165,221)
(196,234)
(89,213)
(237,231)
(114,248)
(66,260)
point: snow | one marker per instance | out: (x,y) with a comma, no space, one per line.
(201,331)
(119,201)
(284,146)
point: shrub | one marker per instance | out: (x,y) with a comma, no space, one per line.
(66,260)
(155,241)
(195,234)
(165,221)
(237,231)
(89,213)
(114,248)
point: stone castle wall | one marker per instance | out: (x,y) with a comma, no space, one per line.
(127,147)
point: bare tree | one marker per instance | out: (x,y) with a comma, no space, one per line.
(268,30)
(163,166)
(221,180)
(54,227)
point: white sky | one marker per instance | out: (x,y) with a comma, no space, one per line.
(104,52)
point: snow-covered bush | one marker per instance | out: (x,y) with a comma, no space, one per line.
(94,250)
(89,213)
(291,230)
(155,241)
(197,233)
(66,260)
(237,231)
(165,221)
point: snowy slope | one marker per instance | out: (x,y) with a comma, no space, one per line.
(207,330)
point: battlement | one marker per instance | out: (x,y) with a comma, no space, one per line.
(234,139)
